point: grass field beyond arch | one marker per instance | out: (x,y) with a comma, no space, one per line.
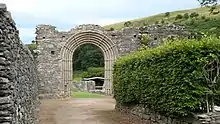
(86,95)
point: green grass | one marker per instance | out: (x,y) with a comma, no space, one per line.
(202,11)
(86,95)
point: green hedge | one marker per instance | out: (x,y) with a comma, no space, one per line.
(94,72)
(168,79)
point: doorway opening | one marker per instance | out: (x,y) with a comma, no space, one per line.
(88,68)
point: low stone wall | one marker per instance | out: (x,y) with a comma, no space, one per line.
(155,118)
(18,76)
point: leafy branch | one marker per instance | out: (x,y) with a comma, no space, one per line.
(211,74)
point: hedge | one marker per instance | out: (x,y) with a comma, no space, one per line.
(168,79)
(94,72)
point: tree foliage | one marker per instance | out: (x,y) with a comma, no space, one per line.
(167,14)
(179,16)
(127,24)
(32,47)
(194,15)
(186,15)
(94,72)
(86,56)
(168,79)
(208,2)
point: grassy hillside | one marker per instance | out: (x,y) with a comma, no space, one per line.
(202,11)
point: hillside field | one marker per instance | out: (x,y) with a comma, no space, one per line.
(204,19)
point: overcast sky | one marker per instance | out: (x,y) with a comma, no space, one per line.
(66,14)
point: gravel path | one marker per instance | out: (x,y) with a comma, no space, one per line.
(83,111)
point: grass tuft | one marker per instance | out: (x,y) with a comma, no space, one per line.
(86,95)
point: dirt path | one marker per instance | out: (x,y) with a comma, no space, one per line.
(83,111)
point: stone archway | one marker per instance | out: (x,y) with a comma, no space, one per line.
(107,46)
(55,50)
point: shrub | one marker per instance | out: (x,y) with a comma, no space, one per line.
(186,15)
(193,15)
(168,79)
(211,10)
(156,22)
(207,19)
(162,21)
(191,22)
(178,17)
(127,24)
(203,17)
(32,47)
(215,13)
(145,39)
(146,24)
(167,14)
(94,72)
(111,29)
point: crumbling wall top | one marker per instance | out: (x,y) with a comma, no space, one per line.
(89,27)
(161,27)
(43,28)
(3,6)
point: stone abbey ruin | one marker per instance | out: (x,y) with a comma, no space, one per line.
(55,51)
(23,80)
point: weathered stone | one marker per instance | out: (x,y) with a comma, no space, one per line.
(5,100)
(3,6)
(5,119)
(18,76)
(4,80)
(56,70)
(156,118)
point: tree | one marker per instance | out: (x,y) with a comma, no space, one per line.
(186,15)
(127,24)
(211,10)
(178,17)
(194,15)
(94,72)
(32,47)
(162,21)
(156,22)
(211,72)
(86,56)
(111,29)
(167,14)
(208,2)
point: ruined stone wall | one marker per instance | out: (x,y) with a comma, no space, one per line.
(18,76)
(127,40)
(50,41)
(153,117)
(158,33)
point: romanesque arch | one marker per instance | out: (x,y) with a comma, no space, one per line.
(56,48)
(108,47)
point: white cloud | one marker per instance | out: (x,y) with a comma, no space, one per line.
(43,8)
(66,13)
